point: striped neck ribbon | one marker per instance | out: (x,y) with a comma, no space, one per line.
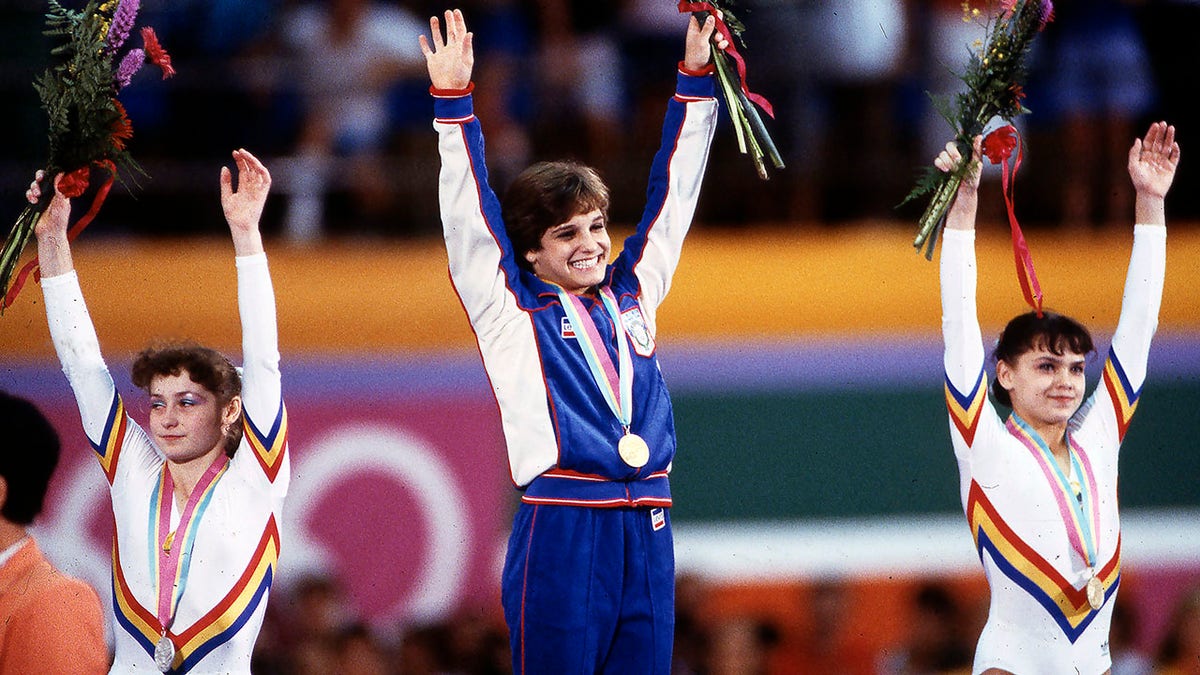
(172,553)
(1080,513)
(615,383)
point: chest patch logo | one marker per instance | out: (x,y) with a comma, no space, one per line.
(568,331)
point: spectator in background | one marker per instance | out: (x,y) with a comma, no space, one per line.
(937,642)
(580,77)
(1098,88)
(49,622)
(1179,653)
(1169,29)
(348,56)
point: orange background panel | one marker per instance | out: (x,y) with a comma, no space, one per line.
(355,296)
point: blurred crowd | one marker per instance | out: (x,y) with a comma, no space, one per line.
(333,95)
(821,628)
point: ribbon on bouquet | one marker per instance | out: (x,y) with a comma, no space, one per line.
(72,185)
(700,6)
(998,147)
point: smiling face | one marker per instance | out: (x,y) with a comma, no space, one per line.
(1045,388)
(187,420)
(573,254)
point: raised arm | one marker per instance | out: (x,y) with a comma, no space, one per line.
(54,250)
(677,172)
(966,392)
(1152,164)
(71,328)
(262,389)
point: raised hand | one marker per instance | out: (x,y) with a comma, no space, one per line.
(1153,160)
(451,60)
(697,51)
(54,219)
(243,208)
(961,215)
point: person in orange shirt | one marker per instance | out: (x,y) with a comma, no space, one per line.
(49,622)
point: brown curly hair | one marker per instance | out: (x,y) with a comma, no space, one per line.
(207,368)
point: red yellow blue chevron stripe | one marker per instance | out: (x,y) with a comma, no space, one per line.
(217,626)
(966,409)
(271,446)
(1124,397)
(1067,605)
(108,448)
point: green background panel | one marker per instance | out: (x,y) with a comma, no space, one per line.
(786,455)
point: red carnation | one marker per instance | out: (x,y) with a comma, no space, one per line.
(155,52)
(73,184)
(122,129)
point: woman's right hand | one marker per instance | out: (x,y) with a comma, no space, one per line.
(950,158)
(961,215)
(55,218)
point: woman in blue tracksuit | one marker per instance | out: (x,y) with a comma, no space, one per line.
(568,343)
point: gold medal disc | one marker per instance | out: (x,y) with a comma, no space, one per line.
(1095,592)
(633,450)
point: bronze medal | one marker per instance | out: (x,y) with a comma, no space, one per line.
(633,450)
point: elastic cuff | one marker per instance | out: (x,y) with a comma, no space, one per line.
(688,86)
(451,93)
(708,69)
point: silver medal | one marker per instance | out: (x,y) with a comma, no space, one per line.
(164,654)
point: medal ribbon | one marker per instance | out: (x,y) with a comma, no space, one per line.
(616,384)
(731,50)
(1081,529)
(999,146)
(173,557)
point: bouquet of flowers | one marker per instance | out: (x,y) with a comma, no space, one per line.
(752,135)
(88,127)
(994,77)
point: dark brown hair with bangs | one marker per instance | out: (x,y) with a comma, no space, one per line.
(548,194)
(1055,332)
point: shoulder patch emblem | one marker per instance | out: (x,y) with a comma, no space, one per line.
(635,326)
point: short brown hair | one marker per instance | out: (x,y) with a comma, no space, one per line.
(207,368)
(548,194)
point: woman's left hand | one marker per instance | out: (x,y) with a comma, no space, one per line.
(244,208)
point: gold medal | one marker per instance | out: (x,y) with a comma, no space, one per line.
(164,654)
(1095,592)
(633,450)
